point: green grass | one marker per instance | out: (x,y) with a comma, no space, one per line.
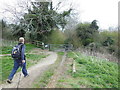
(44,79)
(94,73)
(34,58)
(7,64)
(29,47)
(8,49)
(60,53)
(61,80)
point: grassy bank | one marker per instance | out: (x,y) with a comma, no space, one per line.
(90,73)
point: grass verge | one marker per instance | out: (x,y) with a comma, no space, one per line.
(92,72)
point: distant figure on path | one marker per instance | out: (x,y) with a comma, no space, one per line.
(19,59)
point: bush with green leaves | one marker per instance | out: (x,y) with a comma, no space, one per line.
(109,39)
(87,32)
(56,37)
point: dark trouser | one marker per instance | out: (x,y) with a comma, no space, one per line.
(15,68)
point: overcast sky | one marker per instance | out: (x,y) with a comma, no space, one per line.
(105,11)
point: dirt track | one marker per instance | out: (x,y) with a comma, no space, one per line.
(58,73)
(34,72)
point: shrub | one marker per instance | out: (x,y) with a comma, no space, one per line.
(56,37)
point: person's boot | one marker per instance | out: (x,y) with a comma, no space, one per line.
(27,75)
(9,81)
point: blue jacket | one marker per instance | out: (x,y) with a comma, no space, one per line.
(22,53)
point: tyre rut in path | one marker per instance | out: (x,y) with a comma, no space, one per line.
(56,76)
(34,72)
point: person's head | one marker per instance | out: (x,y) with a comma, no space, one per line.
(21,40)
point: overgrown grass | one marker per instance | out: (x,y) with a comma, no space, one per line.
(7,64)
(94,73)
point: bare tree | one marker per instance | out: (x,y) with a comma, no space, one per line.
(14,13)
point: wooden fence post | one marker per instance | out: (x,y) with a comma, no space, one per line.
(74,70)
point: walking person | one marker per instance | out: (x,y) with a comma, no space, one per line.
(19,61)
